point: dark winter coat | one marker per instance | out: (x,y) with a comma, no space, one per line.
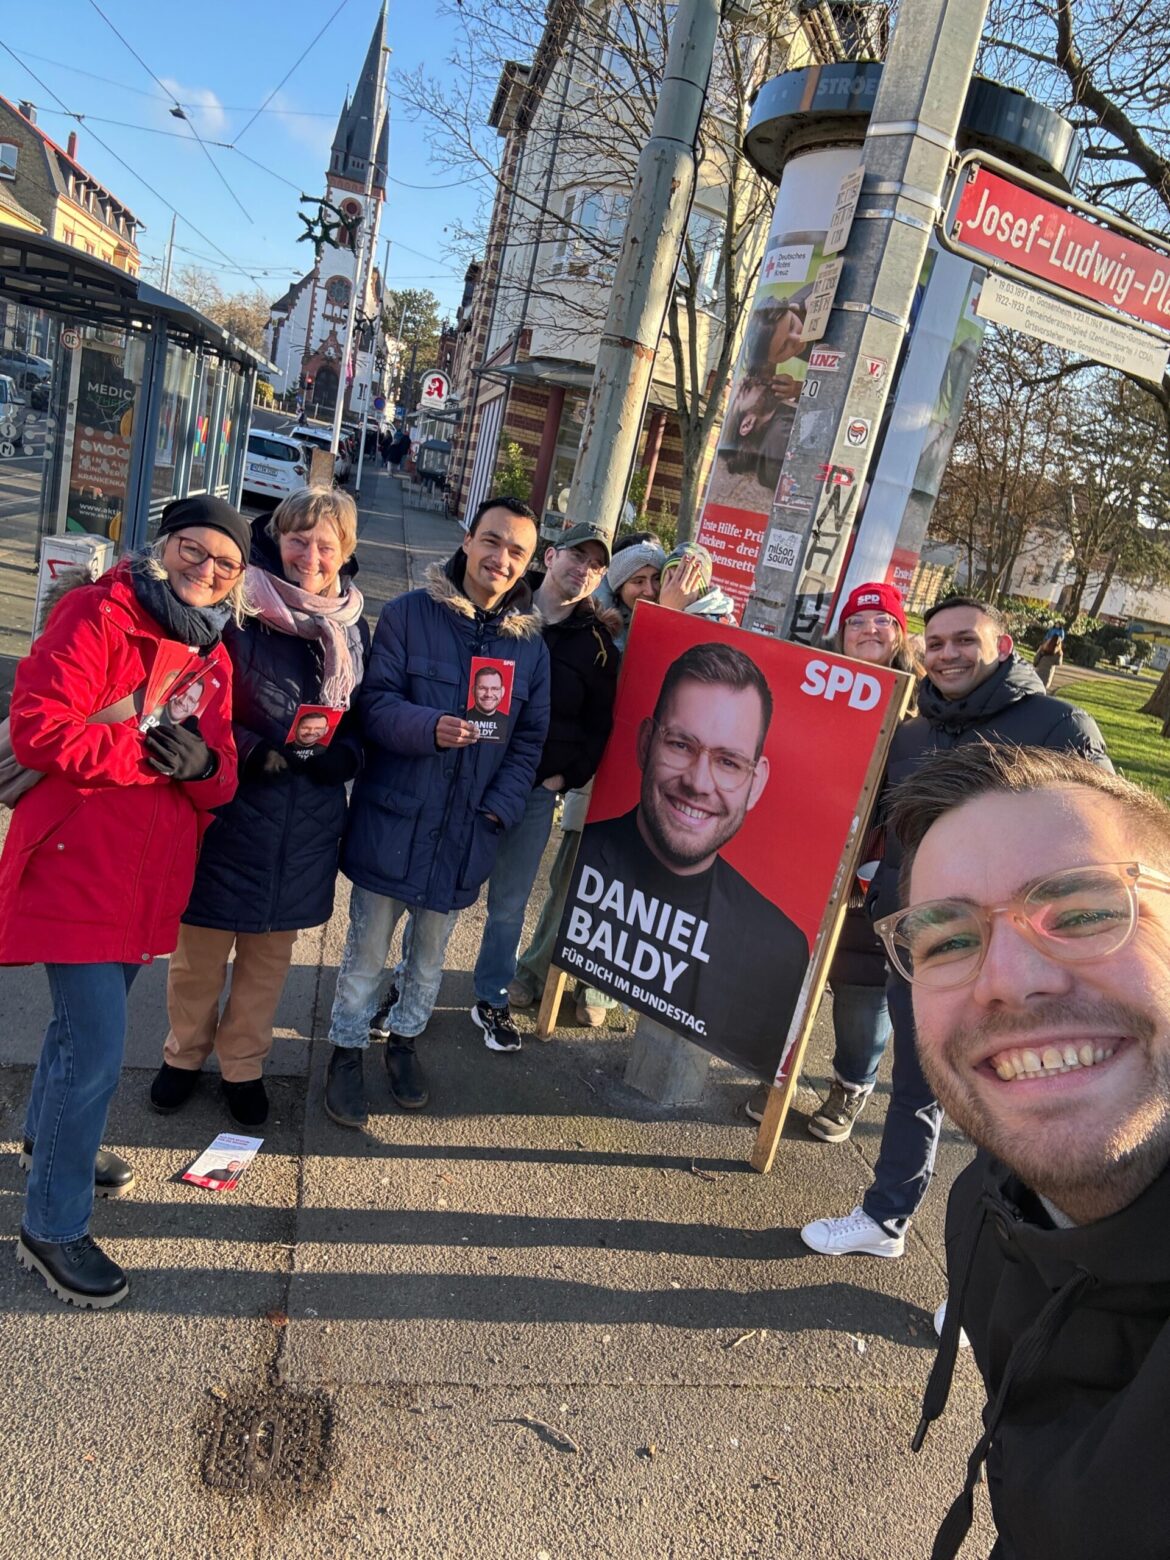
(269,861)
(1077,1462)
(418,826)
(1009,709)
(100,854)
(583,668)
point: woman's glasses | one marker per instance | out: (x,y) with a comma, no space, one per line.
(191,552)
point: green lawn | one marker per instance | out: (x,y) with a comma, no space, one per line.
(1135,742)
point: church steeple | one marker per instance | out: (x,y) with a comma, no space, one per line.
(354,142)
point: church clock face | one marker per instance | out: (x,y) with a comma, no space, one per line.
(337,292)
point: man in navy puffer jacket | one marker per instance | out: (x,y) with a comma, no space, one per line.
(433,798)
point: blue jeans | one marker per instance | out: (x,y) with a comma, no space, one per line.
(533,964)
(913,1122)
(81,1059)
(372,919)
(861,1025)
(509,888)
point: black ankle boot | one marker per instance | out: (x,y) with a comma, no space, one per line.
(78,1272)
(113,1176)
(345,1089)
(247,1102)
(408,1082)
(172,1088)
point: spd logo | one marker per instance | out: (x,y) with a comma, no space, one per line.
(823,681)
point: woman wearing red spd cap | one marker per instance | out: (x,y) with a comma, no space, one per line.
(872,628)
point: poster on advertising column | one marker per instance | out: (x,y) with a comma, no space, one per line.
(716,856)
(775,366)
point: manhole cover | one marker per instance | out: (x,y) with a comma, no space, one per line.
(270,1440)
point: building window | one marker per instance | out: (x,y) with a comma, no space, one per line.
(8,156)
(705,236)
(593,223)
(337,290)
(68,236)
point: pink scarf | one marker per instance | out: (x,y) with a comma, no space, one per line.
(331,619)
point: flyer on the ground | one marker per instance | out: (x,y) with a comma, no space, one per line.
(489,697)
(220,1166)
(708,878)
(313,726)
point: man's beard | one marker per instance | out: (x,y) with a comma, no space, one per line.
(691,852)
(1086,1180)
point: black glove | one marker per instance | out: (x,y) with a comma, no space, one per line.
(329,765)
(265,762)
(180,753)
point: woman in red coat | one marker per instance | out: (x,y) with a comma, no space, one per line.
(100,854)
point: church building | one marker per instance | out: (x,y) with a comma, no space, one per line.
(306,333)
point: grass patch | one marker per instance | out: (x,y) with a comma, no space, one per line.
(1135,742)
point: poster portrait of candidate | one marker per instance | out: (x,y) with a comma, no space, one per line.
(489,697)
(313,726)
(710,858)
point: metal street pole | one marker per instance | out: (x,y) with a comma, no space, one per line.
(907,154)
(363,241)
(646,269)
(357,481)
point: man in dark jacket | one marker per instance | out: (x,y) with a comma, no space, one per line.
(433,802)
(976,690)
(1043,1015)
(583,665)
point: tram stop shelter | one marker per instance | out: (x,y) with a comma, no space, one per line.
(125,399)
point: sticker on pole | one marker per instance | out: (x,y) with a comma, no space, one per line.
(820,300)
(857,432)
(781,549)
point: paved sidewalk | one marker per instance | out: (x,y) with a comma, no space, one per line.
(542,1319)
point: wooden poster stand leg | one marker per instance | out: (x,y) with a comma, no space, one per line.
(550,1002)
(763,1155)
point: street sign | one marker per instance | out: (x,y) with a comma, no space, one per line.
(436,387)
(848,194)
(1029,231)
(379,403)
(1106,341)
(70,340)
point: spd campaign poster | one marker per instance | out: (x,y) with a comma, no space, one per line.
(729,790)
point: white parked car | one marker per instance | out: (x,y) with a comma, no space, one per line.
(322,440)
(275,465)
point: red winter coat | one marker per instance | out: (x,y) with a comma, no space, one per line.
(100,855)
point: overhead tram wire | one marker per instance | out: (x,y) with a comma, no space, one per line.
(179,111)
(170,206)
(228,108)
(341,7)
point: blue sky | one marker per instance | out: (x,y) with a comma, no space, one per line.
(221,59)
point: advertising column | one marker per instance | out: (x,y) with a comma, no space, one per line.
(745,495)
(928,401)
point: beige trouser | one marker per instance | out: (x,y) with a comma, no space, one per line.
(242,1038)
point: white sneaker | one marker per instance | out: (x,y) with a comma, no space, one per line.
(856,1235)
(940,1317)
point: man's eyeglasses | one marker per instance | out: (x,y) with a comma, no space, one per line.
(1081,913)
(870,620)
(191,552)
(587,560)
(730,770)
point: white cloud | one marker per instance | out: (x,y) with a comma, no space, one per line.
(204,109)
(309,130)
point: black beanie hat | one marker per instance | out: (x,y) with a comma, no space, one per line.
(203,509)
